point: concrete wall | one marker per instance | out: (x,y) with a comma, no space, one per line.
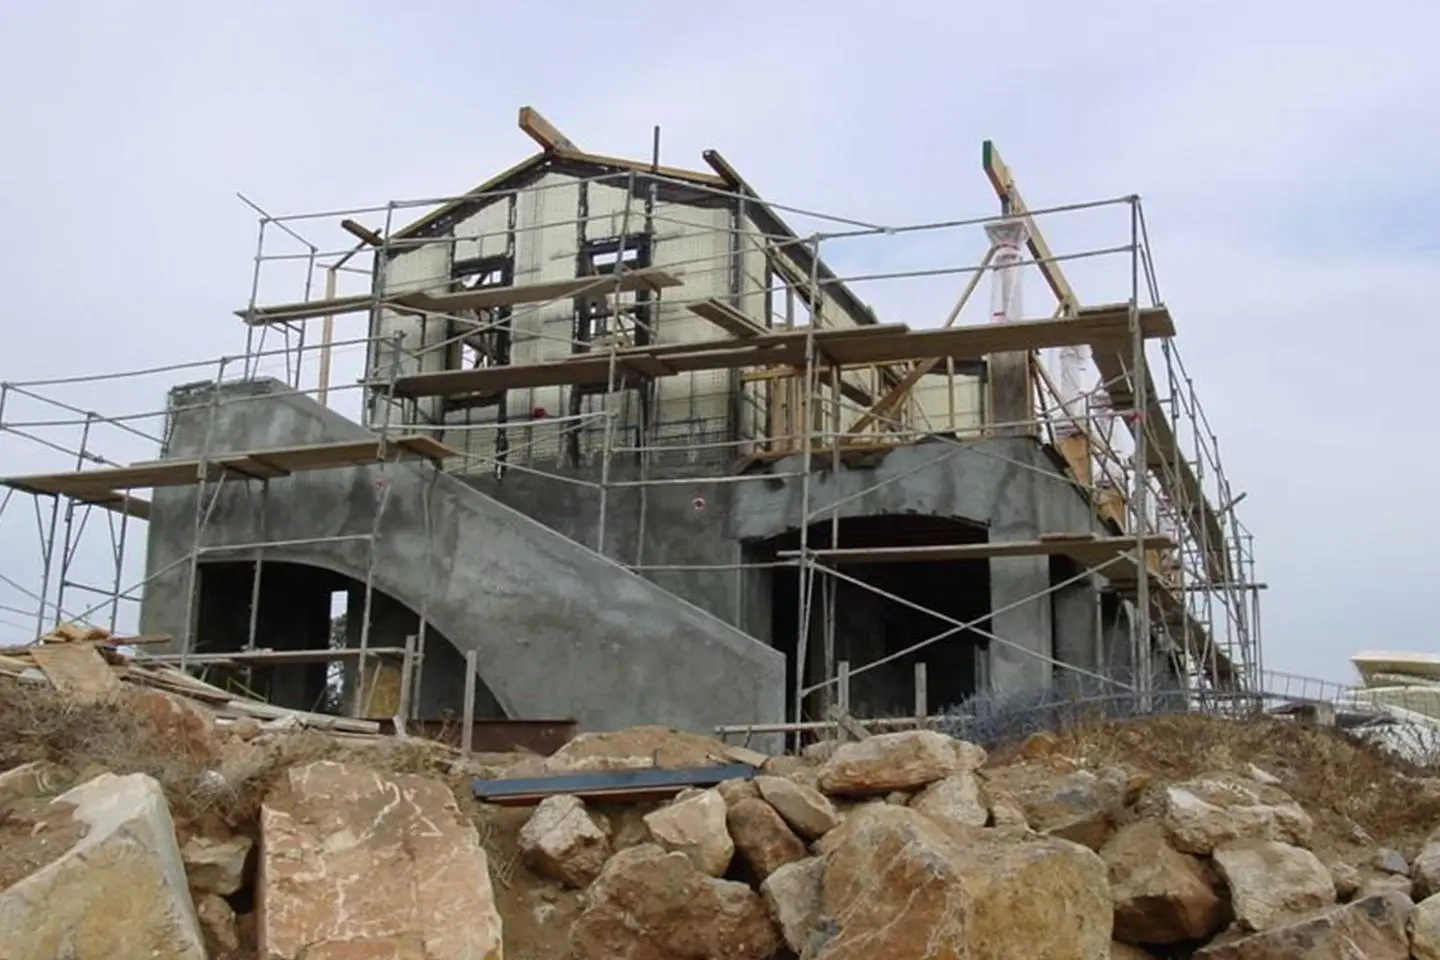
(560,630)
(685,521)
(1009,485)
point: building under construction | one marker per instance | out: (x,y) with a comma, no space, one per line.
(625,449)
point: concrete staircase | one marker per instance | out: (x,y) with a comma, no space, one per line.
(560,630)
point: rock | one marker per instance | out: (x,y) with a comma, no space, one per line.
(1202,814)
(636,748)
(695,827)
(957,799)
(1347,881)
(355,862)
(562,841)
(1390,861)
(1007,816)
(1385,883)
(762,837)
(28,780)
(1160,894)
(806,811)
(1260,775)
(906,760)
(820,750)
(798,769)
(899,885)
(245,728)
(900,798)
(121,883)
(185,726)
(216,866)
(1272,883)
(1425,869)
(1124,951)
(1372,929)
(650,905)
(736,790)
(1425,929)
(792,895)
(217,922)
(1039,745)
(1078,806)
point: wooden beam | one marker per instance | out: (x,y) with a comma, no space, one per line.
(307,309)
(543,132)
(103,484)
(1004,183)
(859,346)
(362,233)
(727,318)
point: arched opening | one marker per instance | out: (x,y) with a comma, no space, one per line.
(869,626)
(310,608)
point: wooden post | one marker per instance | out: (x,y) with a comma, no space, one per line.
(842,669)
(327,337)
(407,670)
(921,696)
(467,735)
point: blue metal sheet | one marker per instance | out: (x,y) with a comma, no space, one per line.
(613,784)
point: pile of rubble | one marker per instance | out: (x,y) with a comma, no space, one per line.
(293,844)
(85,663)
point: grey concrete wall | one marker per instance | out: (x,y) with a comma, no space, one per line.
(1009,485)
(560,630)
(663,527)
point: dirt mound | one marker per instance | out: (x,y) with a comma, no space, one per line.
(1358,795)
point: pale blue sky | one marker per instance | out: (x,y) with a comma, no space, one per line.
(1286,153)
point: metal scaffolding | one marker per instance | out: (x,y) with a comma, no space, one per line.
(809,392)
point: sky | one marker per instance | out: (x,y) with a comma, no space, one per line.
(1285,154)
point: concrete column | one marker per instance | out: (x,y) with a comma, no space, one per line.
(1076,634)
(1028,624)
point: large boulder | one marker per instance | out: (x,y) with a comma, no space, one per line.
(563,842)
(1272,883)
(695,827)
(635,748)
(1161,895)
(356,862)
(761,836)
(956,799)
(651,905)
(1205,813)
(899,885)
(121,884)
(1425,929)
(1078,806)
(792,895)
(1372,928)
(808,812)
(907,760)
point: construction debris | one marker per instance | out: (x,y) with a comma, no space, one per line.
(87,664)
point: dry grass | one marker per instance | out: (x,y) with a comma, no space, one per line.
(212,790)
(1341,782)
